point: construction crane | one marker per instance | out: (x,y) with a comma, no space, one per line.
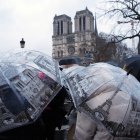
(132,30)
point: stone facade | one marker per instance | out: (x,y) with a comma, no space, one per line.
(67,43)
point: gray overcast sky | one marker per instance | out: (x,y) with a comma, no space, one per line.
(32,20)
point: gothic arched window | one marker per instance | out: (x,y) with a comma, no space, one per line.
(84,23)
(61,53)
(61,27)
(58,53)
(58,28)
(80,24)
(68,27)
(80,50)
(84,50)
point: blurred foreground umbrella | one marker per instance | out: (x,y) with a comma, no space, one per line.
(108,95)
(132,65)
(29,81)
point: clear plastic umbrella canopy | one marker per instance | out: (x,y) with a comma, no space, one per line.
(29,80)
(108,95)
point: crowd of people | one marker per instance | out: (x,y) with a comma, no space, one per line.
(102,114)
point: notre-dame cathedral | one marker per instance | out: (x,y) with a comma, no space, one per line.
(74,44)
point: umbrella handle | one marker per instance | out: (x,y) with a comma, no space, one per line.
(129,71)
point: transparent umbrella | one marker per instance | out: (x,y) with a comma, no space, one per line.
(29,80)
(108,95)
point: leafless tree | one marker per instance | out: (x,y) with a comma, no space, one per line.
(109,50)
(127,11)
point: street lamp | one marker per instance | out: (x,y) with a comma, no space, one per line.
(22,43)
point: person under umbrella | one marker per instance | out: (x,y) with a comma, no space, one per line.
(107,101)
(64,64)
(132,66)
(30,92)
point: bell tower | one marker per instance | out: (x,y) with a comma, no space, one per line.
(84,21)
(62,25)
(85,35)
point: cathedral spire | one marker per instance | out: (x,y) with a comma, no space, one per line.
(95,28)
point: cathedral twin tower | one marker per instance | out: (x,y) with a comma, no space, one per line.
(77,43)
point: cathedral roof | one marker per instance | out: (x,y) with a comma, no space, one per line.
(62,17)
(86,11)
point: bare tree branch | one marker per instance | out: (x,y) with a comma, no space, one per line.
(129,12)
